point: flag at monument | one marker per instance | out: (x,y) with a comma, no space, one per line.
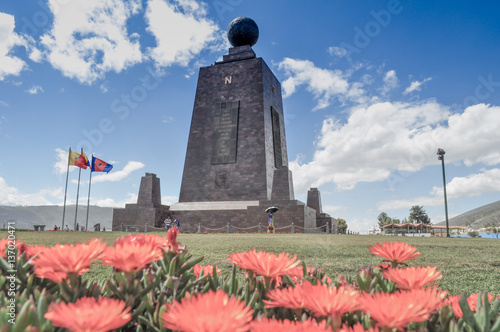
(99,165)
(79,160)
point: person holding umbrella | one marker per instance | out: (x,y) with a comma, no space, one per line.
(270,211)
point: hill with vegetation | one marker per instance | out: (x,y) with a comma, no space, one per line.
(477,218)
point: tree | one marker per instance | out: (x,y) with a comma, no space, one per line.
(383,219)
(492,228)
(342,226)
(418,215)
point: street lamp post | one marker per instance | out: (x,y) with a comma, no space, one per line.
(441,153)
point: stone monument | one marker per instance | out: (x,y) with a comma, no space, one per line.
(148,209)
(236,160)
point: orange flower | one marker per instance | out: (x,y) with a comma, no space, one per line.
(32,251)
(11,245)
(208,269)
(473,298)
(21,248)
(173,245)
(397,310)
(131,253)
(89,315)
(4,243)
(56,262)
(324,300)
(271,325)
(471,301)
(413,277)
(157,240)
(432,298)
(290,297)
(264,263)
(211,311)
(396,253)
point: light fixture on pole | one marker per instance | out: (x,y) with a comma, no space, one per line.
(441,153)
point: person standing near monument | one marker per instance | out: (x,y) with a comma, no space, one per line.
(168,223)
(177,224)
(270,227)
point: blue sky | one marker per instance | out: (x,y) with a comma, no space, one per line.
(371,90)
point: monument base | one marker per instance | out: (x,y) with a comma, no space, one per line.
(242,216)
(215,216)
(138,215)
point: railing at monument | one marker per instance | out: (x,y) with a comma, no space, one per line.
(228,228)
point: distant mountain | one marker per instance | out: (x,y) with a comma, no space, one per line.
(50,215)
(477,218)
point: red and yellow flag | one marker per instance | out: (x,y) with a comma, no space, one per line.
(76,159)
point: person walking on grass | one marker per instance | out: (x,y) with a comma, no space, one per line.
(168,223)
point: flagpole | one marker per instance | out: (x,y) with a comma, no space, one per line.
(66,189)
(78,192)
(88,199)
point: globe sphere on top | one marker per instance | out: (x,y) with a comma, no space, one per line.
(243,31)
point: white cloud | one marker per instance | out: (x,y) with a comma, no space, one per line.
(373,142)
(11,196)
(35,54)
(337,51)
(472,136)
(109,202)
(406,204)
(115,175)
(333,210)
(167,119)
(487,181)
(3,103)
(325,85)
(168,200)
(390,81)
(104,87)
(361,225)
(182,30)
(416,85)
(35,89)
(61,164)
(90,38)
(9,64)
(388,137)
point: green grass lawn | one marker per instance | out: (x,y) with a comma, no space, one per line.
(467,265)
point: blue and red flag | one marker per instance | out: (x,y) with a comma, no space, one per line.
(99,165)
